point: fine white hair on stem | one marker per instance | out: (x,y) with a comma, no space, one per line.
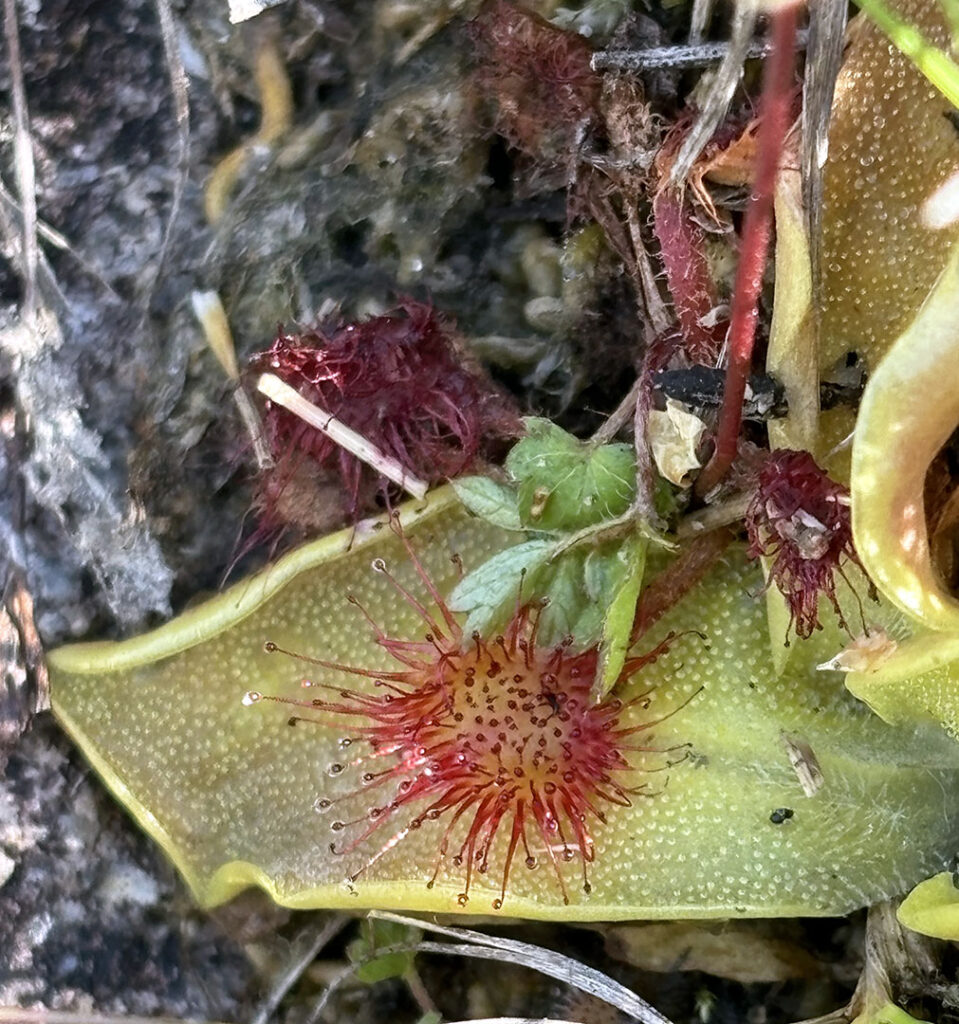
(339,433)
(546,961)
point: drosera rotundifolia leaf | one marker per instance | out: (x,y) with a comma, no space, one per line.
(231,790)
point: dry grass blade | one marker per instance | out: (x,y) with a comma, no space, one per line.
(546,961)
(307,944)
(23,160)
(20,1015)
(725,80)
(827,26)
(12,216)
(699,23)
(181,107)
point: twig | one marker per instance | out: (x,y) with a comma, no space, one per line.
(757,225)
(620,416)
(209,310)
(712,517)
(827,25)
(307,945)
(181,108)
(546,961)
(724,84)
(356,444)
(696,55)
(23,159)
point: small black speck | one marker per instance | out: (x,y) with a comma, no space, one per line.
(781,814)
(953,117)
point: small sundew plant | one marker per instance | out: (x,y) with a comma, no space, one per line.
(487,737)
(799,518)
(401,380)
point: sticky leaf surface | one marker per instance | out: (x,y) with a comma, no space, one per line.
(229,791)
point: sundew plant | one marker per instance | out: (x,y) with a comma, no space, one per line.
(699,660)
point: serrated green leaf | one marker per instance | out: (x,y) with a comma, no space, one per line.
(567,484)
(604,571)
(620,613)
(489,593)
(489,499)
(561,583)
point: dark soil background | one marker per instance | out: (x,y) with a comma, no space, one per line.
(124,469)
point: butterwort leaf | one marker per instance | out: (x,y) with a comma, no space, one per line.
(230,791)
(909,410)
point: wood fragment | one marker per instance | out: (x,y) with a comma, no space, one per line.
(725,80)
(804,763)
(827,27)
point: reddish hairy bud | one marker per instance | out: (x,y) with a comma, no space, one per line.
(495,741)
(799,518)
(400,380)
(540,77)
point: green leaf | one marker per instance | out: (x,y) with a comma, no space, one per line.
(490,593)
(567,484)
(604,571)
(888,1013)
(489,499)
(561,583)
(932,908)
(620,613)
(378,934)
(229,791)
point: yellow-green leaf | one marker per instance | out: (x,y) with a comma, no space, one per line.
(932,908)
(909,410)
(891,146)
(229,790)
(618,623)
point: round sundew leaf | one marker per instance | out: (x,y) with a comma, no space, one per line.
(229,790)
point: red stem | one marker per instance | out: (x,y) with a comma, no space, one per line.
(757,224)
